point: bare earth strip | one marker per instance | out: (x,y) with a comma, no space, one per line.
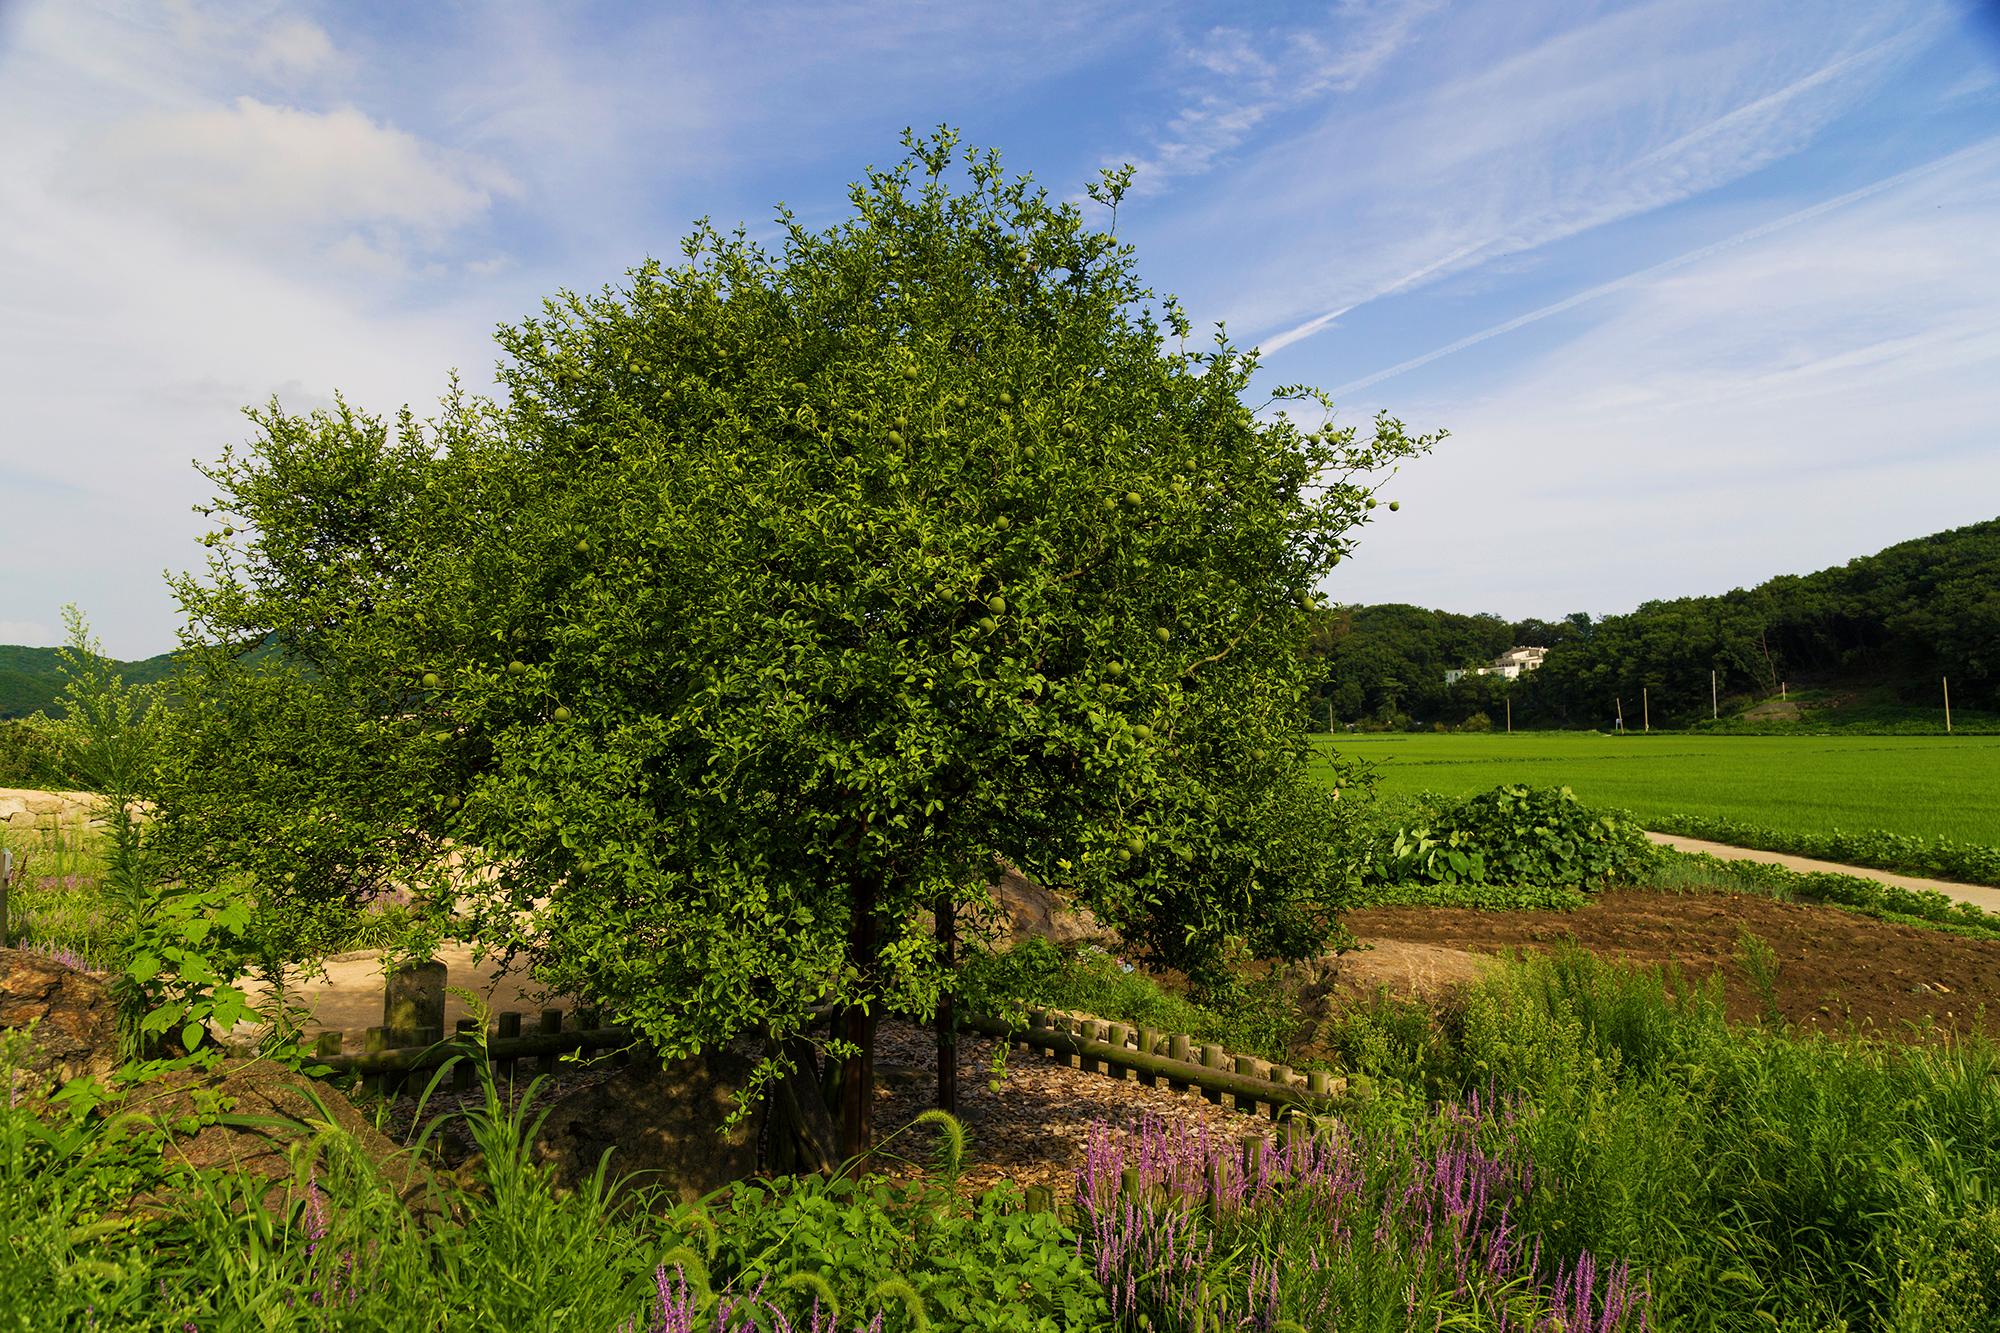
(1978,895)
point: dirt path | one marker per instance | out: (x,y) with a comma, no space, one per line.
(346,996)
(1987,899)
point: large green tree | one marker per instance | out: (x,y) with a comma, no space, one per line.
(784,595)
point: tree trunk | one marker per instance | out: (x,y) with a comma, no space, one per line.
(857,1075)
(806,1117)
(947,1036)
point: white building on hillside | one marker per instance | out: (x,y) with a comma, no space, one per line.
(1510,664)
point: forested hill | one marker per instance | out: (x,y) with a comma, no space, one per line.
(1890,623)
(31,678)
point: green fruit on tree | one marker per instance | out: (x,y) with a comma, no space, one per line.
(516,667)
(1136,843)
(1394,505)
(1124,853)
(1006,399)
(1003,523)
(1110,502)
(1132,498)
(988,623)
(1114,668)
(431,680)
(993,1085)
(1163,634)
(1260,755)
(1143,732)
(582,545)
(910,373)
(895,437)
(997,604)
(902,422)
(562,715)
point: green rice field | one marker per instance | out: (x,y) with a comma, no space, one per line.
(1920,786)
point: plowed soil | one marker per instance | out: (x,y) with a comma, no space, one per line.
(1835,970)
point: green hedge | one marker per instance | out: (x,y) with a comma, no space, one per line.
(1942,858)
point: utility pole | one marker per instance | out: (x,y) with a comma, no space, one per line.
(1714,701)
(1510,715)
(1781,692)
(1946,682)
(1621,715)
(1646,708)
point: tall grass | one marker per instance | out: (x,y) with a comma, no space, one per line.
(1572,1145)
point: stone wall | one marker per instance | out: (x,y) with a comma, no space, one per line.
(25,810)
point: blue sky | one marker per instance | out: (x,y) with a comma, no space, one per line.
(1704,292)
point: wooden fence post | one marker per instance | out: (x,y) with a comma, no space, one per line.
(510,1026)
(1211,1058)
(1178,1046)
(1246,1065)
(552,1022)
(374,1042)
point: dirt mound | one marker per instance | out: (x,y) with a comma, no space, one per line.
(185,1105)
(1833,968)
(660,1125)
(1403,968)
(75,1026)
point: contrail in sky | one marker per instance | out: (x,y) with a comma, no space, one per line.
(1644,274)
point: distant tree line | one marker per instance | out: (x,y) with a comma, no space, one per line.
(31,679)
(1898,619)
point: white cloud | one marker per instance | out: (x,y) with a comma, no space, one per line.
(294,47)
(253,168)
(1781,405)
(1490,155)
(1232,86)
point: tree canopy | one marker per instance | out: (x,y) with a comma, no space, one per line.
(1895,620)
(784,595)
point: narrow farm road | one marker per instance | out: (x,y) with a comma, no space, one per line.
(1978,895)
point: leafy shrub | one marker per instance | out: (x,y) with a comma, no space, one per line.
(987,1265)
(1513,834)
(1870,897)
(1941,858)
(1247,1014)
(30,757)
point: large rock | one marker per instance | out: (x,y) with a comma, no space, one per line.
(69,1016)
(1032,910)
(660,1125)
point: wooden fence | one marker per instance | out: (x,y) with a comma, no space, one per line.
(1175,1060)
(411,1040)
